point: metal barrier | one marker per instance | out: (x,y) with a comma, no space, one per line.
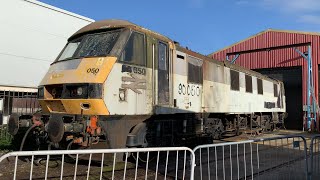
(314,162)
(282,157)
(139,163)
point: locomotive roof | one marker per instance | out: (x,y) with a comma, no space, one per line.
(226,64)
(115,23)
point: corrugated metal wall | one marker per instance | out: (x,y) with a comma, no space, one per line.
(277,58)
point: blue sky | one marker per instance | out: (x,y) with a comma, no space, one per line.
(204,26)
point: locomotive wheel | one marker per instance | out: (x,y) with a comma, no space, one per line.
(269,127)
(55,129)
(215,128)
(143,156)
(13,124)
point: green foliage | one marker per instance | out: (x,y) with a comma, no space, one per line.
(5,138)
(5,144)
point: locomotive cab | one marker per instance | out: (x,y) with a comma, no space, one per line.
(74,82)
(101,76)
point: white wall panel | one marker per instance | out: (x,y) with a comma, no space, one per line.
(31,36)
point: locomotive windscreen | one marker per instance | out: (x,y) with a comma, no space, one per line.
(90,45)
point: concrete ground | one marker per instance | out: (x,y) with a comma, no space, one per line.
(279,158)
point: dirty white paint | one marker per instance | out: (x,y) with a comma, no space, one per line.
(133,103)
(219,98)
(213,96)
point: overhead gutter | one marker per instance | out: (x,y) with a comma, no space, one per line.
(38,3)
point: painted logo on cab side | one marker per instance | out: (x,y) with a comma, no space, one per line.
(134,83)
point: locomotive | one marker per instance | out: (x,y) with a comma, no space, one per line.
(132,87)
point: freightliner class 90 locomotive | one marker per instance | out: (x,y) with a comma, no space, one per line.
(132,87)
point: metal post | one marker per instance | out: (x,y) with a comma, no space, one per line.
(314,100)
(235,58)
(309,88)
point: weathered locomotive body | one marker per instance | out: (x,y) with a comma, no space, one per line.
(117,81)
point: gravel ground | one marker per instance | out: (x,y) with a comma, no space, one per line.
(69,169)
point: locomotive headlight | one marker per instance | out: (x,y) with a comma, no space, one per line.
(82,91)
(79,91)
(54,92)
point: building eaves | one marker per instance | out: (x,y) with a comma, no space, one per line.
(38,3)
(265,31)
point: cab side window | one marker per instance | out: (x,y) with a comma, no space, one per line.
(248,83)
(235,81)
(162,56)
(134,51)
(260,86)
(195,74)
(275,90)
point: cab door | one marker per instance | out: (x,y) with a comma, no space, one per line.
(163,73)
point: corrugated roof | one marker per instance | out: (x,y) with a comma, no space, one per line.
(265,31)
